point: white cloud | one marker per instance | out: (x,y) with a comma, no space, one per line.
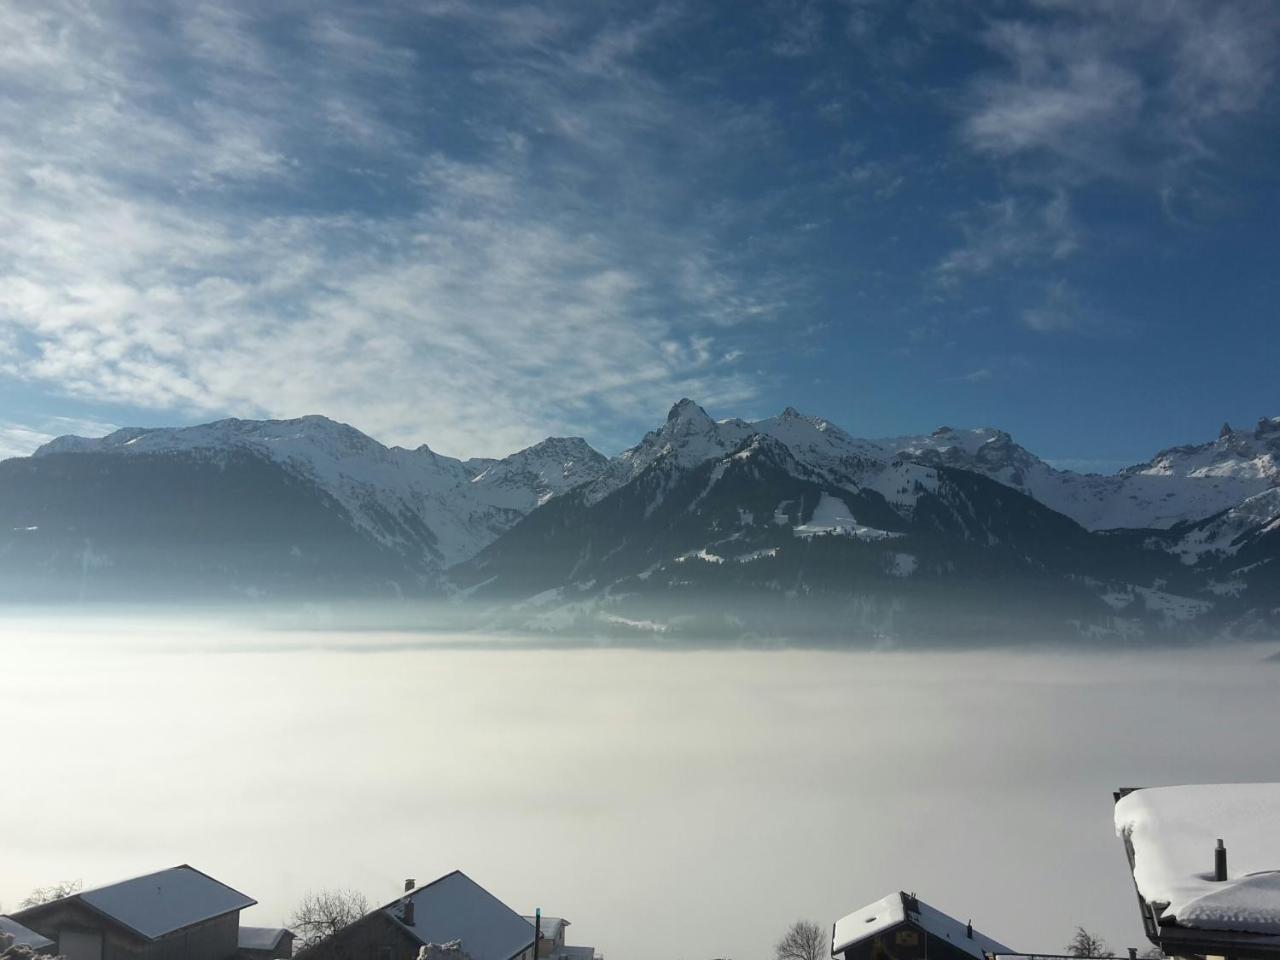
(1118,89)
(21,439)
(1012,231)
(1059,312)
(144,262)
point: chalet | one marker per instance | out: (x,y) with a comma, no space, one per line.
(174,914)
(903,927)
(1205,861)
(13,934)
(551,943)
(452,916)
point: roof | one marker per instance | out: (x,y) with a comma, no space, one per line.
(576,953)
(23,937)
(262,938)
(159,903)
(550,925)
(899,908)
(455,907)
(1172,833)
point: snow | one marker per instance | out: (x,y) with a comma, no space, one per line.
(465,505)
(260,938)
(1173,832)
(455,907)
(1223,535)
(550,926)
(379,486)
(1170,606)
(22,937)
(703,554)
(756,555)
(161,902)
(1178,485)
(886,913)
(870,920)
(833,516)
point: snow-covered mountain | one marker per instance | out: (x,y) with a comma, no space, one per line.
(793,506)
(785,515)
(1180,485)
(432,509)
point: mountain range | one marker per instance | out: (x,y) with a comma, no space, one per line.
(741,530)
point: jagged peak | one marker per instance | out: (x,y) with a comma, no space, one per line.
(685,409)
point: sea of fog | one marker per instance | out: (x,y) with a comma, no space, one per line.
(679,805)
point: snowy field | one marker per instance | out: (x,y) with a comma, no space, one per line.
(681,805)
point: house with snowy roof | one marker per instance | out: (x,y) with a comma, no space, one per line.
(265,943)
(14,935)
(174,914)
(551,940)
(1205,861)
(903,927)
(451,918)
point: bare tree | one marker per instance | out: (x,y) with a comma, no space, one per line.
(804,940)
(323,913)
(21,951)
(55,891)
(1086,944)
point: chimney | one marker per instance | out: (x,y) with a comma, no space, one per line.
(1220,862)
(407,916)
(1133,953)
(409,884)
(968,929)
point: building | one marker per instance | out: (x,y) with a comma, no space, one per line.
(903,927)
(552,946)
(13,934)
(1205,861)
(265,943)
(452,916)
(174,914)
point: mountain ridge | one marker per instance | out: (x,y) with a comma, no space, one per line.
(789,511)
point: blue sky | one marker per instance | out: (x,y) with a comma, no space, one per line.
(474,224)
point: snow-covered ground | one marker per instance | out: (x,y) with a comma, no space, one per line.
(832,516)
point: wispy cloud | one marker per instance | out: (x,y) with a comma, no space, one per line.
(21,439)
(272,239)
(1012,231)
(1128,91)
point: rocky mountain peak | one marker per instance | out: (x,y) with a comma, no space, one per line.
(685,411)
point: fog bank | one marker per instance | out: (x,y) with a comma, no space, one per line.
(687,805)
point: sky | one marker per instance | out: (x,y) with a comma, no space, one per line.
(475,224)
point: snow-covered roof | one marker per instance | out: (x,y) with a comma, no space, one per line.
(1173,832)
(455,907)
(550,926)
(897,908)
(261,938)
(23,937)
(167,900)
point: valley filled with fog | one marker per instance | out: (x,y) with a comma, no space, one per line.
(672,802)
